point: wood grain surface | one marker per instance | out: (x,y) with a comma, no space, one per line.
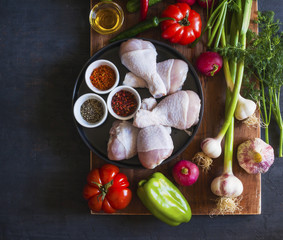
(199,196)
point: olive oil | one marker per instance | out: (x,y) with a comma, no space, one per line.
(106,17)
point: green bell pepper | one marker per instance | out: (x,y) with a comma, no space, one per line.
(164,200)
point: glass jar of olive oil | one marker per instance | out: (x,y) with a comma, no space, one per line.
(106,17)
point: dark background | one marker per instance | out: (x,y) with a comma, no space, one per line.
(43,161)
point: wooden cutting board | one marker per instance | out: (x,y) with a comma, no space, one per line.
(199,196)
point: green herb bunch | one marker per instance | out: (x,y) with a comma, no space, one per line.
(264,61)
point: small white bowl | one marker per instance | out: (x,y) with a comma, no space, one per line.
(77,110)
(96,64)
(117,89)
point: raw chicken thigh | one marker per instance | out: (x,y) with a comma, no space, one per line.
(122,143)
(173,73)
(154,145)
(179,110)
(139,57)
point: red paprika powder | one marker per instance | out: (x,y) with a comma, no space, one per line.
(103,77)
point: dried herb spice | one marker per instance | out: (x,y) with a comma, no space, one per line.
(92,110)
(124,103)
(103,77)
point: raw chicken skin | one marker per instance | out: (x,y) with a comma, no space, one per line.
(154,142)
(154,145)
(179,110)
(178,75)
(133,81)
(122,143)
(148,103)
(135,44)
(173,73)
(194,108)
(139,57)
(164,71)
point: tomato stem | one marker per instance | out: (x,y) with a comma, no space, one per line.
(185,21)
(98,184)
(103,188)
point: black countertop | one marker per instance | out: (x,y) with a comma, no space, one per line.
(44,162)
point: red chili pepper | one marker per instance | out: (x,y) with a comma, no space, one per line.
(124,103)
(144,9)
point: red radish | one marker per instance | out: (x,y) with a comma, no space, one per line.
(209,63)
(185,173)
(205,3)
(189,2)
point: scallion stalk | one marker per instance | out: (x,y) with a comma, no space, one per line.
(213,19)
(219,23)
(211,146)
(221,26)
(240,69)
(229,139)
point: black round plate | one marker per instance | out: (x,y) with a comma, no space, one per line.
(97,138)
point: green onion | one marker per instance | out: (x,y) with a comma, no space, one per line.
(212,146)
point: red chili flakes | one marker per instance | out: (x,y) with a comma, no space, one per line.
(124,103)
(103,77)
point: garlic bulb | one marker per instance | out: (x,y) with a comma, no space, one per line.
(255,156)
(245,108)
(227,185)
(211,147)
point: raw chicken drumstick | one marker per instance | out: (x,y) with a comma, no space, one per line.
(173,73)
(179,110)
(139,57)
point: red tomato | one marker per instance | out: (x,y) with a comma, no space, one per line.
(107,189)
(186,27)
